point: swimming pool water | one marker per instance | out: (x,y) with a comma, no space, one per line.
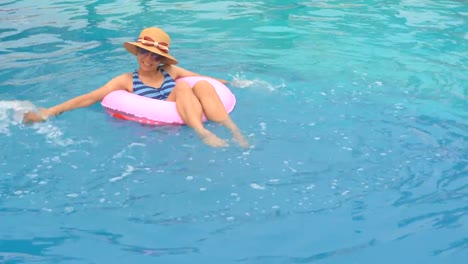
(356,112)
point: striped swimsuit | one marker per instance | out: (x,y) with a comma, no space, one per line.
(161,93)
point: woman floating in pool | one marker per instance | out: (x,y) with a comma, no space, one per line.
(157,69)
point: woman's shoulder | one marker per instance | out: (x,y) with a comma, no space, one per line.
(123,81)
(178,72)
(170,69)
(124,77)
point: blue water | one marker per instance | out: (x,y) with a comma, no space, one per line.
(356,110)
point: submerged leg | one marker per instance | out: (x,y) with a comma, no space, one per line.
(191,112)
(214,109)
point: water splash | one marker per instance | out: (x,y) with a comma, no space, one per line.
(11,113)
(240,81)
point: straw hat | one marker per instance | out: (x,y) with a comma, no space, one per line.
(154,40)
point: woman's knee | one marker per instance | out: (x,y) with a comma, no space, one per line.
(183,87)
(180,89)
(202,87)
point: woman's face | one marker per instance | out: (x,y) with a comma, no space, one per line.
(147,59)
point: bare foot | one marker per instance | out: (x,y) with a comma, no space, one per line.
(211,139)
(243,142)
(214,141)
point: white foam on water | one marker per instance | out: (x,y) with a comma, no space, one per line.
(52,133)
(240,81)
(257,186)
(11,114)
(128,171)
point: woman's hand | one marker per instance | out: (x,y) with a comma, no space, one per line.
(34,117)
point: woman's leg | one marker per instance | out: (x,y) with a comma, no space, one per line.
(214,109)
(191,111)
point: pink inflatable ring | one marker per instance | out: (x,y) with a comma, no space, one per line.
(124,105)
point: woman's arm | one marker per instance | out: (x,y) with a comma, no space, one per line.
(118,83)
(178,72)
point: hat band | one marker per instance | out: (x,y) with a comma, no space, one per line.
(147,41)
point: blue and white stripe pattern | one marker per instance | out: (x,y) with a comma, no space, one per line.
(161,93)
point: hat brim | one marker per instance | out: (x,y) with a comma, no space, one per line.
(132,48)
